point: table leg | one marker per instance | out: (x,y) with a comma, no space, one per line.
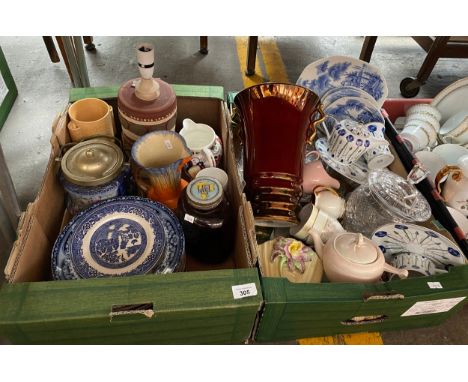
(431,58)
(367,48)
(251,55)
(203,45)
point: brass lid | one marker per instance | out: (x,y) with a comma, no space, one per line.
(92,163)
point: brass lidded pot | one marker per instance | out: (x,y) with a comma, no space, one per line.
(92,171)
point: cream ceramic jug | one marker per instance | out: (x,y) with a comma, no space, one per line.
(351,257)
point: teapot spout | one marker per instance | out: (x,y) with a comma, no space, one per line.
(318,244)
(402,273)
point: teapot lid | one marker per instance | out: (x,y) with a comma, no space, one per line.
(356,248)
(398,196)
(92,163)
(137,109)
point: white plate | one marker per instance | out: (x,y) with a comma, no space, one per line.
(357,172)
(394,239)
(338,71)
(452,99)
(346,91)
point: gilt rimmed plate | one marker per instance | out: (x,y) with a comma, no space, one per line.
(117,238)
(357,172)
(395,239)
(452,99)
(338,71)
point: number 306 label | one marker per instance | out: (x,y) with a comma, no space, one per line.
(244,290)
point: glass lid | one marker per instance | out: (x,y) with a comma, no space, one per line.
(92,163)
(398,196)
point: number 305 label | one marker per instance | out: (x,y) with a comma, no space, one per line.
(244,290)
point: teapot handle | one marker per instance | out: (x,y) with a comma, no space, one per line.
(312,131)
(443,174)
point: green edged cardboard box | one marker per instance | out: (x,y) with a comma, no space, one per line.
(196,306)
(298,310)
(8,90)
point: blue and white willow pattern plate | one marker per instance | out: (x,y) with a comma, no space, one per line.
(117,238)
(346,91)
(338,71)
(395,239)
(356,109)
(357,171)
(174,254)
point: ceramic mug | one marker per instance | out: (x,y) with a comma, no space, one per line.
(314,174)
(416,264)
(90,117)
(328,200)
(312,218)
(450,153)
(455,189)
(430,119)
(418,135)
(378,157)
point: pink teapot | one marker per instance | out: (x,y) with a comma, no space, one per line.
(351,257)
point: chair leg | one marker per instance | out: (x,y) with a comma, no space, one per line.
(203,45)
(89,45)
(431,58)
(49,43)
(65,59)
(251,55)
(368,48)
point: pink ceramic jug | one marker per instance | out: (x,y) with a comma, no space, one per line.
(314,174)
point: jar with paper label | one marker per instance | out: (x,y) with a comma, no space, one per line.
(206,218)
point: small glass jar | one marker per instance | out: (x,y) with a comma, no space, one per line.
(206,217)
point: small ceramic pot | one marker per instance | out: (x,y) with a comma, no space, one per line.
(216,173)
(378,157)
(205,144)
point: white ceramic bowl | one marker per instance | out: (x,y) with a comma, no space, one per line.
(216,173)
(460,219)
(455,129)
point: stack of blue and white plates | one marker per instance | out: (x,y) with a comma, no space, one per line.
(122,236)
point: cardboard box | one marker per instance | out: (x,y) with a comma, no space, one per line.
(8,90)
(300,310)
(193,307)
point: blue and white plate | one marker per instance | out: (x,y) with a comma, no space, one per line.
(174,254)
(357,172)
(356,109)
(117,238)
(338,71)
(395,239)
(346,91)
(62,267)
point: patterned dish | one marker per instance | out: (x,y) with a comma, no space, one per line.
(357,109)
(117,238)
(396,239)
(174,254)
(346,91)
(338,71)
